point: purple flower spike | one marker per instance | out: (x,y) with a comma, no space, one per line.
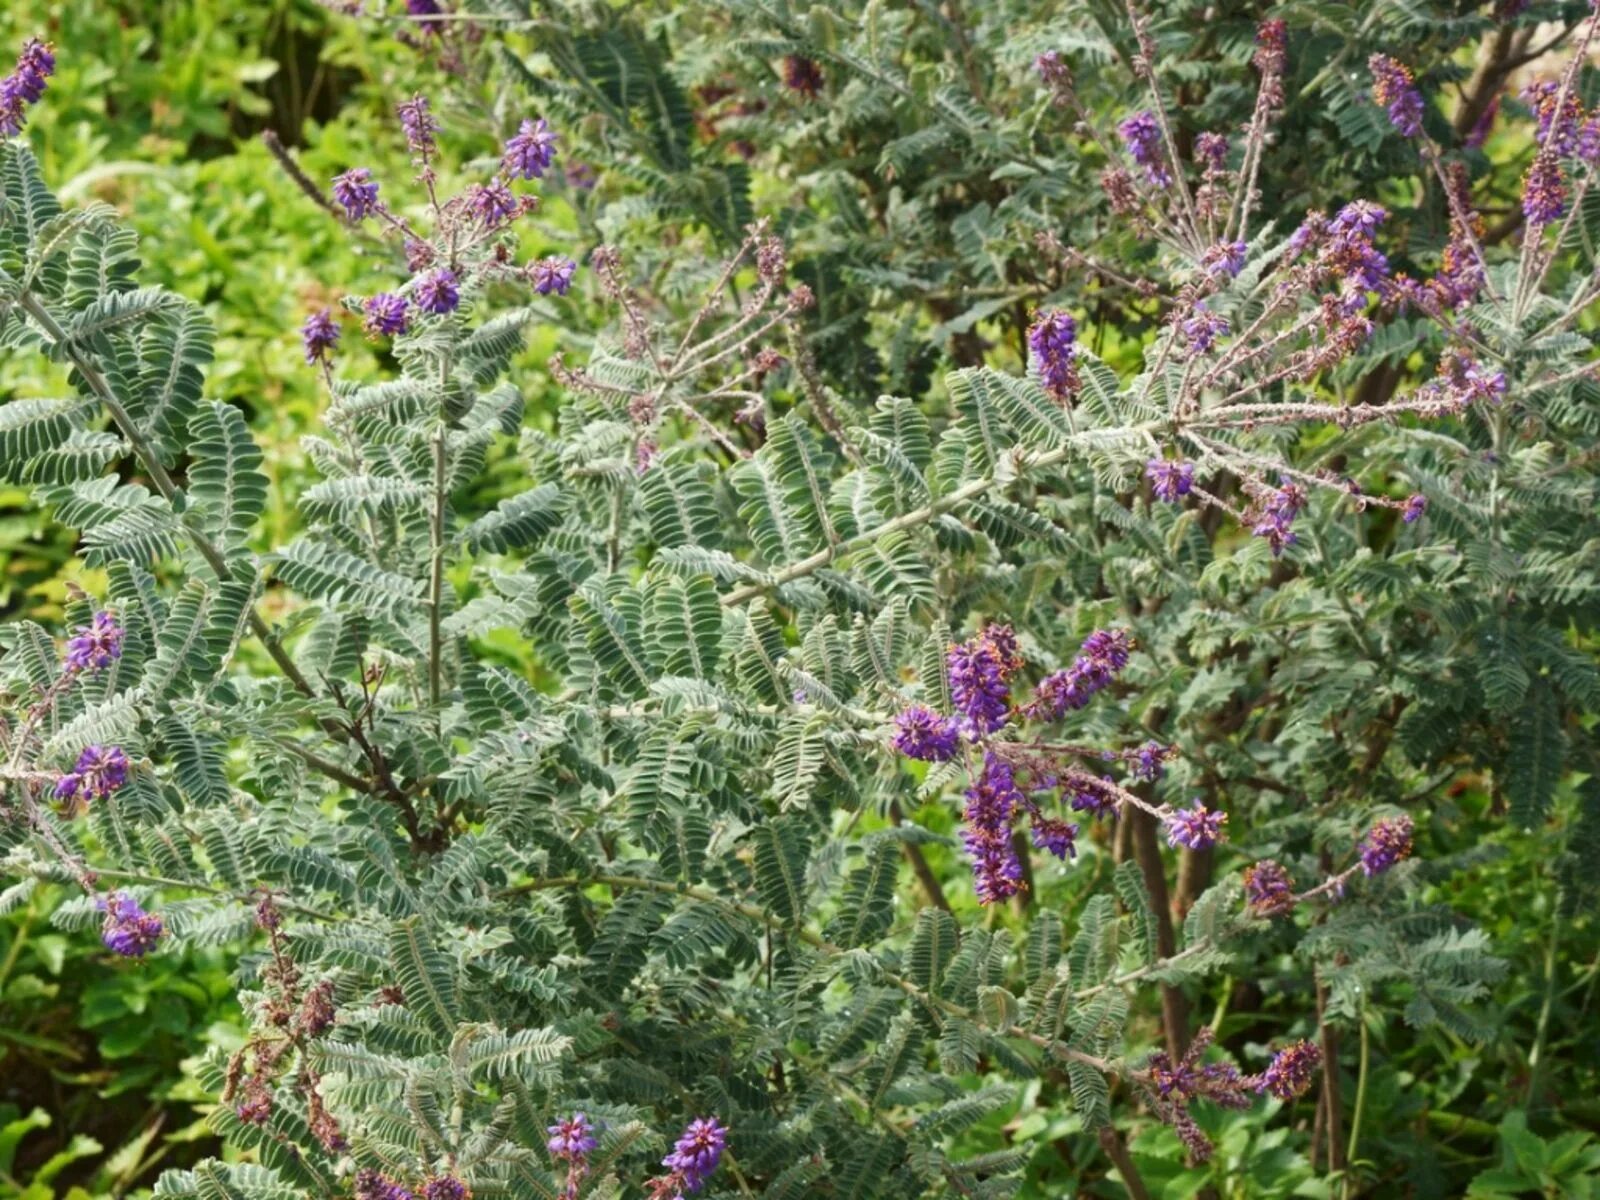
(494,204)
(1393,88)
(923,734)
(95,646)
(374,1185)
(1272,46)
(1056,837)
(1212,150)
(1149,762)
(1224,260)
(356,193)
(1052,344)
(553,274)
(1560,126)
(418,121)
(1291,1071)
(979,669)
(100,770)
(1544,190)
(992,804)
(387,315)
(439,292)
(1360,217)
(1198,828)
(1202,328)
(1169,481)
(25,85)
(1416,505)
(1053,70)
(1103,655)
(1141,135)
(1088,797)
(128,929)
(529,153)
(1268,888)
(320,336)
(697,1152)
(1386,843)
(445,1187)
(1274,515)
(571,1138)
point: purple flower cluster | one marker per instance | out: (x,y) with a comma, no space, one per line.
(1386,843)
(100,770)
(128,929)
(1054,836)
(1461,381)
(1272,46)
(1268,888)
(1089,796)
(1149,761)
(356,192)
(1202,328)
(439,292)
(980,669)
(802,75)
(1198,827)
(1212,150)
(693,1159)
(553,274)
(1172,1086)
(1274,514)
(1544,190)
(923,734)
(1392,87)
(1169,480)
(1561,118)
(386,315)
(572,1141)
(1223,261)
(1291,1071)
(95,646)
(1350,255)
(571,1138)
(493,203)
(319,336)
(25,85)
(1141,135)
(1055,75)
(417,120)
(530,151)
(1416,505)
(374,1185)
(1103,655)
(445,1187)
(1052,344)
(992,804)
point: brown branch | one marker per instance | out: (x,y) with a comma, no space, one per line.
(297,176)
(1117,1151)
(919,864)
(1174,1005)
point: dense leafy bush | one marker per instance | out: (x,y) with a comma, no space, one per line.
(1225,531)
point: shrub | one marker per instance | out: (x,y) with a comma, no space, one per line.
(572,818)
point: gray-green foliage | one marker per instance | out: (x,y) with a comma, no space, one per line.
(666,880)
